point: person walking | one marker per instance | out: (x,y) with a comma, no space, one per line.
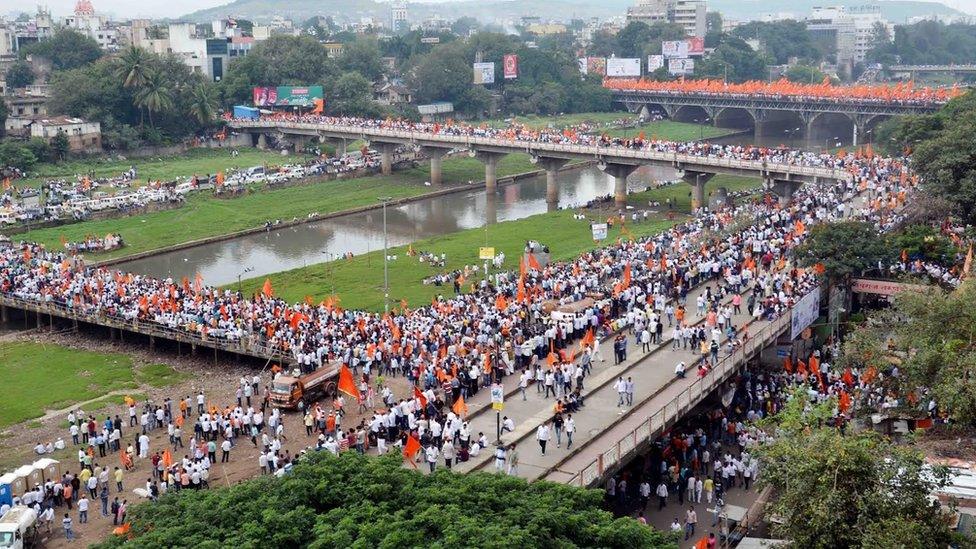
(691,519)
(500,458)
(621,386)
(83,503)
(66,522)
(662,495)
(570,427)
(557,427)
(542,434)
(513,460)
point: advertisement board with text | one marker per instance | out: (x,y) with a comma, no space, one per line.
(484,73)
(681,67)
(623,66)
(673,49)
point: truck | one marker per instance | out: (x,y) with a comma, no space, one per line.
(287,390)
(18,528)
(245,112)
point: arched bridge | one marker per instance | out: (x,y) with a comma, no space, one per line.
(616,161)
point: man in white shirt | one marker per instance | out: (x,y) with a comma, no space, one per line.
(542,434)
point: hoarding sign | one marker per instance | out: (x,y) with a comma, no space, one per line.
(623,66)
(805,312)
(681,67)
(510,66)
(674,49)
(484,73)
(289,96)
(596,65)
(696,45)
(265,97)
(654,62)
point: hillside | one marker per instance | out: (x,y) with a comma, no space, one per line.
(500,10)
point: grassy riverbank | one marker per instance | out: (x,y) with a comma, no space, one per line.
(50,377)
(680,194)
(164,168)
(660,129)
(204,216)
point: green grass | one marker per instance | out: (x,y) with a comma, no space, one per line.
(204,216)
(536,121)
(673,131)
(41,377)
(681,194)
(165,168)
(159,375)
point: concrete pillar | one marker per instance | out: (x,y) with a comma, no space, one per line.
(784,190)
(4,315)
(340,147)
(697,180)
(552,167)
(854,138)
(490,160)
(262,141)
(436,161)
(619,172)
(491,207)
(386,158)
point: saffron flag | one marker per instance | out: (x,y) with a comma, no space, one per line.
(410,449)
(267,290)
(346,384)
(968,264)
(167,458)
(417,394)
(459,407)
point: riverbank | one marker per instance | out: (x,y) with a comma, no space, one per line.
(205,217)
(359,281)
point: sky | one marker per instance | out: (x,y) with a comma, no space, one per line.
(176,8)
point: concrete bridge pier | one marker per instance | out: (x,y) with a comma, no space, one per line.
(552,167)
(619,172)
(262,141)
(386,157)
(338,142)
(784,190)
(697,180)
(299,143)
(490,160)
(491,208)
(436,155)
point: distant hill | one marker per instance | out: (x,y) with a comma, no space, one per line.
(897,11)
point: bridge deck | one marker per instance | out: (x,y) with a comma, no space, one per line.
(615,154)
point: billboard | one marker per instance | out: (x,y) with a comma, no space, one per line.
(696,45)
(623,66)
(681,67)
(265,97)
(674,49)
(484,73)
(884,287)
(596,65)
(654,62)
(510,66)
(287,96)
(805,312)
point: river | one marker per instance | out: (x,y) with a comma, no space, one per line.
(278,250)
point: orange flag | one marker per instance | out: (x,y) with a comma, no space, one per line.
(844,402)
(267,290)
(500,303)
(417,394)
(167,458)
(968,264)
(589,338)
(410,449)
(534,263)
(346,384)
(627,276)
(459,407)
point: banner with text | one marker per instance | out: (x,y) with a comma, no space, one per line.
(681,67)
(654,62)
(510,66)
(623,66)
(484,73)
(805,312)
(673,49)
(696,45)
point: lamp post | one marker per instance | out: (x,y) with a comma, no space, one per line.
(244,272)
(386,256)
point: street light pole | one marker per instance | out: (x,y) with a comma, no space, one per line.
(386,256)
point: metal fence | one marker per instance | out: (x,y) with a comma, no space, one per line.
(679,405)
(249,345)
(532,147)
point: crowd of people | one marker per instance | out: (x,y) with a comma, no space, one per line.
(904,93)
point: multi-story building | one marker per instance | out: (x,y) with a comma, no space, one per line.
(852,31)
(83,136)
(95,26)
(690,14)
(398,18)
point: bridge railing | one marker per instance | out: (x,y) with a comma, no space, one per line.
(673,410)
(533,147)
(248,344)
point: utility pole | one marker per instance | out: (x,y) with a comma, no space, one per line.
(386,257)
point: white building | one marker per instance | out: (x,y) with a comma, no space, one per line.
(690,14)
(95,26)
(851,30)
(398,17)
(83,137)
(207,56)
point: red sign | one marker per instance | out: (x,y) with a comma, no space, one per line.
(265,97)
(510,66)
(696,45)
(884,287)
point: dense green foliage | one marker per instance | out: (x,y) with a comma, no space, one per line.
(360,501)
(847,490)
(805,74)
(732,60)
(944,145)
(19,75)
(782,40)
(67,49)
(845,249)
(934,334)
(927,43)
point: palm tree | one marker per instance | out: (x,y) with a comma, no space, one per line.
(155,94)
(203,104)
(132,67)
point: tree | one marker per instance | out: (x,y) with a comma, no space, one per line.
(713,22)
(732,59)
(3,115)
(442,75)
(20,75)
(837,490)
(805,74)
(204,103)
(278,61)
(133,65)
(844,249)
(60,146)
(353,96)
(934,334)
(155,95)
(361,501)
(782,40)
(67,49)
(17,155)
(362,56)
(924,43)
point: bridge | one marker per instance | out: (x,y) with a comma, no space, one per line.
(908,70)
(816,119)
(617,161)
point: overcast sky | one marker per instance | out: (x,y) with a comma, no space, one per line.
(176,8)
